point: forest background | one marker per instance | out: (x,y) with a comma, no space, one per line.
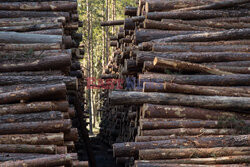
(96,43)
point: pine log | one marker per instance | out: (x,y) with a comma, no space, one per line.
(166,111)
(35,27)
(23,148)
(161,5)
(33,139)
(48,161)
(35,127)
(39,6)
(44,116)
(129,24)
(70,82)
(201,80)
(158,123)
(35,107)
(48,32)
(188,132)
(234,34)
(112,23)
(21,156)
(196,14)
(132,148)
(72,135)
(231,64)
(216,5)
(211,23)
(80,163)
(152,24)
(193,57)
(149,66)
(130,11)
(57,91)
(207,161)
(8,22)
(28,47)
(158,138)
(42,64)
(145,35)
(209,102)
(202,90)
(34,14)
(161,154)
(186,66)
(235,70)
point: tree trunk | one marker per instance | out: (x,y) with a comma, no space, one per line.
(158,154)
(201,80)
(35,107)
(186,66)
(49,161)
(165,111)
(28,47)
(130,11)
(33,139)
(209,102)
(47,32)
(112,23)
(35,127)
(39,6)
(210,36)
(132,148)
(230,64)
(72,135)
(35,27)
(57,91)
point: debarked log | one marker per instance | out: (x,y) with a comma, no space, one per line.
(33,139)
(35,127)
(132,148)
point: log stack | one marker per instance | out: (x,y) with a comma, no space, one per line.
(185,100)
(42,117)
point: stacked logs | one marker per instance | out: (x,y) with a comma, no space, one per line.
(42,119)
(185,72)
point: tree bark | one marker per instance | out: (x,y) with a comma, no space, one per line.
(28,47)
(209,102)
(35,107)
(196,14)
(201,80)
(230,64)
(35,27)
(130,11)
(187,67)
(35,127)
(112,23)
(72,135)
(48,32)
(211,36)
(57,91)
(132,148)
(165,111)
(33,139)
(39,6)
(49,161)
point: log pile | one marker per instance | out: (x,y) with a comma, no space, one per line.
(42,118)
(184,69)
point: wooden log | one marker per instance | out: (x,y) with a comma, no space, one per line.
(186,66)
(80,163)
(158,154)
(211,23)
(129,24)
(8,22)
(20,156)
(202,80)
(35,127)
(145,35)
(47,32)
(34,14)
(36,27)
(196,14)
(44,116)
(166,111)
(209,102)
(158,123)
(72,135)
(211,36)
(49,161)
(70,82)
(57,91)
(231,64)
(42,64)
(158,138)
(132,148)
(193,57)
(34,107)
(221,160)
(33,139)
(188,132)
(130,11)
(112,23)
(235,70)
(216,5)
(27,47)
(39,6)
(196,90)
(161,5)
(24,148)
(152,24)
